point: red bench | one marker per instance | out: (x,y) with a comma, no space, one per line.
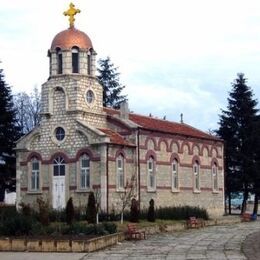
(194,222)
(134,233)
(246,217)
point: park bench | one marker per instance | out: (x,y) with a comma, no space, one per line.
(194,222)
(134,233)
(246,217)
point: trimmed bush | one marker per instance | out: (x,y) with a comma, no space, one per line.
(151,212)
(91,208)
(181,212)
(134,211)
(69,211)
(16,225)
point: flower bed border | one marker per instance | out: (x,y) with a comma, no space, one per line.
(93,244)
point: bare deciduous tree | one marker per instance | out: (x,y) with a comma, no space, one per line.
(28,109)
(127,195)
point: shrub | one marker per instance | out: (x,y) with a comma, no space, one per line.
(91,209)
(57,215)
(25,209)
(16,225)
(43,211)
(134,211)
(69,211)
(151,212)
(181,212)
(110,227)
(7,212)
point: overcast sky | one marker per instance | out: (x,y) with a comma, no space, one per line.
(174,56)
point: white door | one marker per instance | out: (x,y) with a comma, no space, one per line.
(58,183)
(58,192)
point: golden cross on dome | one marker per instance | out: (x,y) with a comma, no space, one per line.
(71,12)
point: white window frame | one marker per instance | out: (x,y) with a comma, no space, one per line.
(175,175)
(151,176)
(196,175)
(35,176)
(215,177)
(120,172)
(84,173)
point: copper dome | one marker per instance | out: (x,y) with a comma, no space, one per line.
(71,37)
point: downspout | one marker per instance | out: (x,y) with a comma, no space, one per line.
(107,147)
(138,166)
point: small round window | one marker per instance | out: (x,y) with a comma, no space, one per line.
(90,97)
(59,133)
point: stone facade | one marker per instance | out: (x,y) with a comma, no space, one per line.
(78,145)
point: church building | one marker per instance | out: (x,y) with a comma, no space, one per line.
(81,146)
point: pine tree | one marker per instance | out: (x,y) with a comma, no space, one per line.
(109,79)
(236,128)
(9,133)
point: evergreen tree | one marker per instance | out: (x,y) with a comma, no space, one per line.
(151,211)
(109,79)
(236,128)
(69,211)
(91,208)
(9,132)
(134,211)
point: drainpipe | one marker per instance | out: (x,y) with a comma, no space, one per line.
(107,176)
(138,166)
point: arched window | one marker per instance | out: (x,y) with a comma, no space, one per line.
(120,172)
(75,60)
(215,177)
(175,177)
(151,174)
(59,61)
(196,172)
(84,172)
(59,166)
(35,174)
(89,63)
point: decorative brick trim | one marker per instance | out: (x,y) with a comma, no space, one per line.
(73,187)
(176,157)
(204,146)
(186,188)
(33,154)
(177,143)
(182,146)
(195,145)
(24,188)
(112,186)
(148,138)
(96,186)
(163,140)
(45,188)
(196,158)
(120,152)
(149,154)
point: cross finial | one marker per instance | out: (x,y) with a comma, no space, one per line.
(71,12)
(181,117)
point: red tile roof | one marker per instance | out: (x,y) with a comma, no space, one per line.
(115,138)
(155,124)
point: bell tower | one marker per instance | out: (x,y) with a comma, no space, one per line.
(72,73)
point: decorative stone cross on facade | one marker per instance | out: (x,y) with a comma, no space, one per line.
(71,12)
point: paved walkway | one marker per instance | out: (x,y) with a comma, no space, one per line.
(218,242)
